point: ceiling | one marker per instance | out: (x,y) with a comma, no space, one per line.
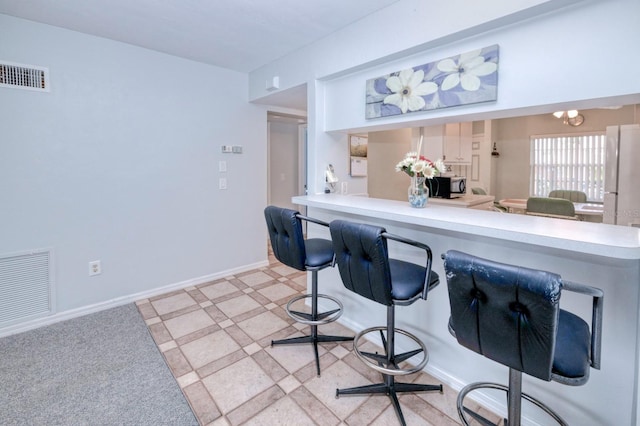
(240,35)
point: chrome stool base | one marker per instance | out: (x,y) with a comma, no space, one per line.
(376,361)
(313,319)
(464,411)
(387,365)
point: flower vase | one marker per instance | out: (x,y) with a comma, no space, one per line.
(418,193)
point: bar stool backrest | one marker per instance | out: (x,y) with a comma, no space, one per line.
(363,259)
(507,313)
(287,239)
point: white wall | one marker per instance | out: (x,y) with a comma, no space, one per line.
(395,31)
(386,149)
(119,162)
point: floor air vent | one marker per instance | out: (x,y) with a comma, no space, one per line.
(20,76)
(25,286)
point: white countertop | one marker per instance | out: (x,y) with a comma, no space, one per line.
(612,241)
(468,200)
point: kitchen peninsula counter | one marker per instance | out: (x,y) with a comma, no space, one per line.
(609,241)
(604,256)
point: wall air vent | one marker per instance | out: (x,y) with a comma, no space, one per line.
(20,76)
(26,286)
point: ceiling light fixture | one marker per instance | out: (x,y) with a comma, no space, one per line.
(571,117)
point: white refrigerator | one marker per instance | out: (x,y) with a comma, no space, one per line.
(622,176)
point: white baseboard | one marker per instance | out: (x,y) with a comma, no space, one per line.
(89,309)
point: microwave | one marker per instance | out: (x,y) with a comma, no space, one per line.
(448,187)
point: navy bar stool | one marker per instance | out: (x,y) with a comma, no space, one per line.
(512,315)
(313,255)
(365,268)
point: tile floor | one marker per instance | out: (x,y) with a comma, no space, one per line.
(216,338)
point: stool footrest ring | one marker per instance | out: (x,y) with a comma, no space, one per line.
(462,410)
(321,318)
(374,361)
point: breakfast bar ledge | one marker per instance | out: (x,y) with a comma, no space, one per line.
(603,256)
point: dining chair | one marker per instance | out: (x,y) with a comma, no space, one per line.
(571,195)
(551,207)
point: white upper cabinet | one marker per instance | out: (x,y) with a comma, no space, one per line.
(457,143)
(451,142)
(433,142)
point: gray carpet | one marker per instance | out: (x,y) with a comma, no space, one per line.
(100,369)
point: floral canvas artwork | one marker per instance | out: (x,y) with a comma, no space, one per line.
(467,78)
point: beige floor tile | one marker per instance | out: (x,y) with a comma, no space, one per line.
(188,379)
(301,281)
(201,403)
(226,323)
(173,303)
(252,348)
(277,292)
(338,375)
(154,320)
(218,290)
(367,412)
(242,381)
(284,270)
(284,412)
(220,421)
(294,357)
(253,407)
(167,346)
(146,309)
(255,279)
(188,323)
(262,325)
(314,407)
(389,417)
(209,348)
(237,305)
(288,384)
(177,362)
(340,351)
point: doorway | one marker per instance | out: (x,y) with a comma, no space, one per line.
(287,159)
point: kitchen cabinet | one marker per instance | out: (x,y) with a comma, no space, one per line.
(451,142)
(457,143)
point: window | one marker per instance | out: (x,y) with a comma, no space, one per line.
(573,162)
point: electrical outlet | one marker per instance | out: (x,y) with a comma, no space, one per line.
(95,268)
(222,166)
(222,183)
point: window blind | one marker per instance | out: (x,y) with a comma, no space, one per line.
(570,162)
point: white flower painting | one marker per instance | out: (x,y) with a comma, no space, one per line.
(467,78)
